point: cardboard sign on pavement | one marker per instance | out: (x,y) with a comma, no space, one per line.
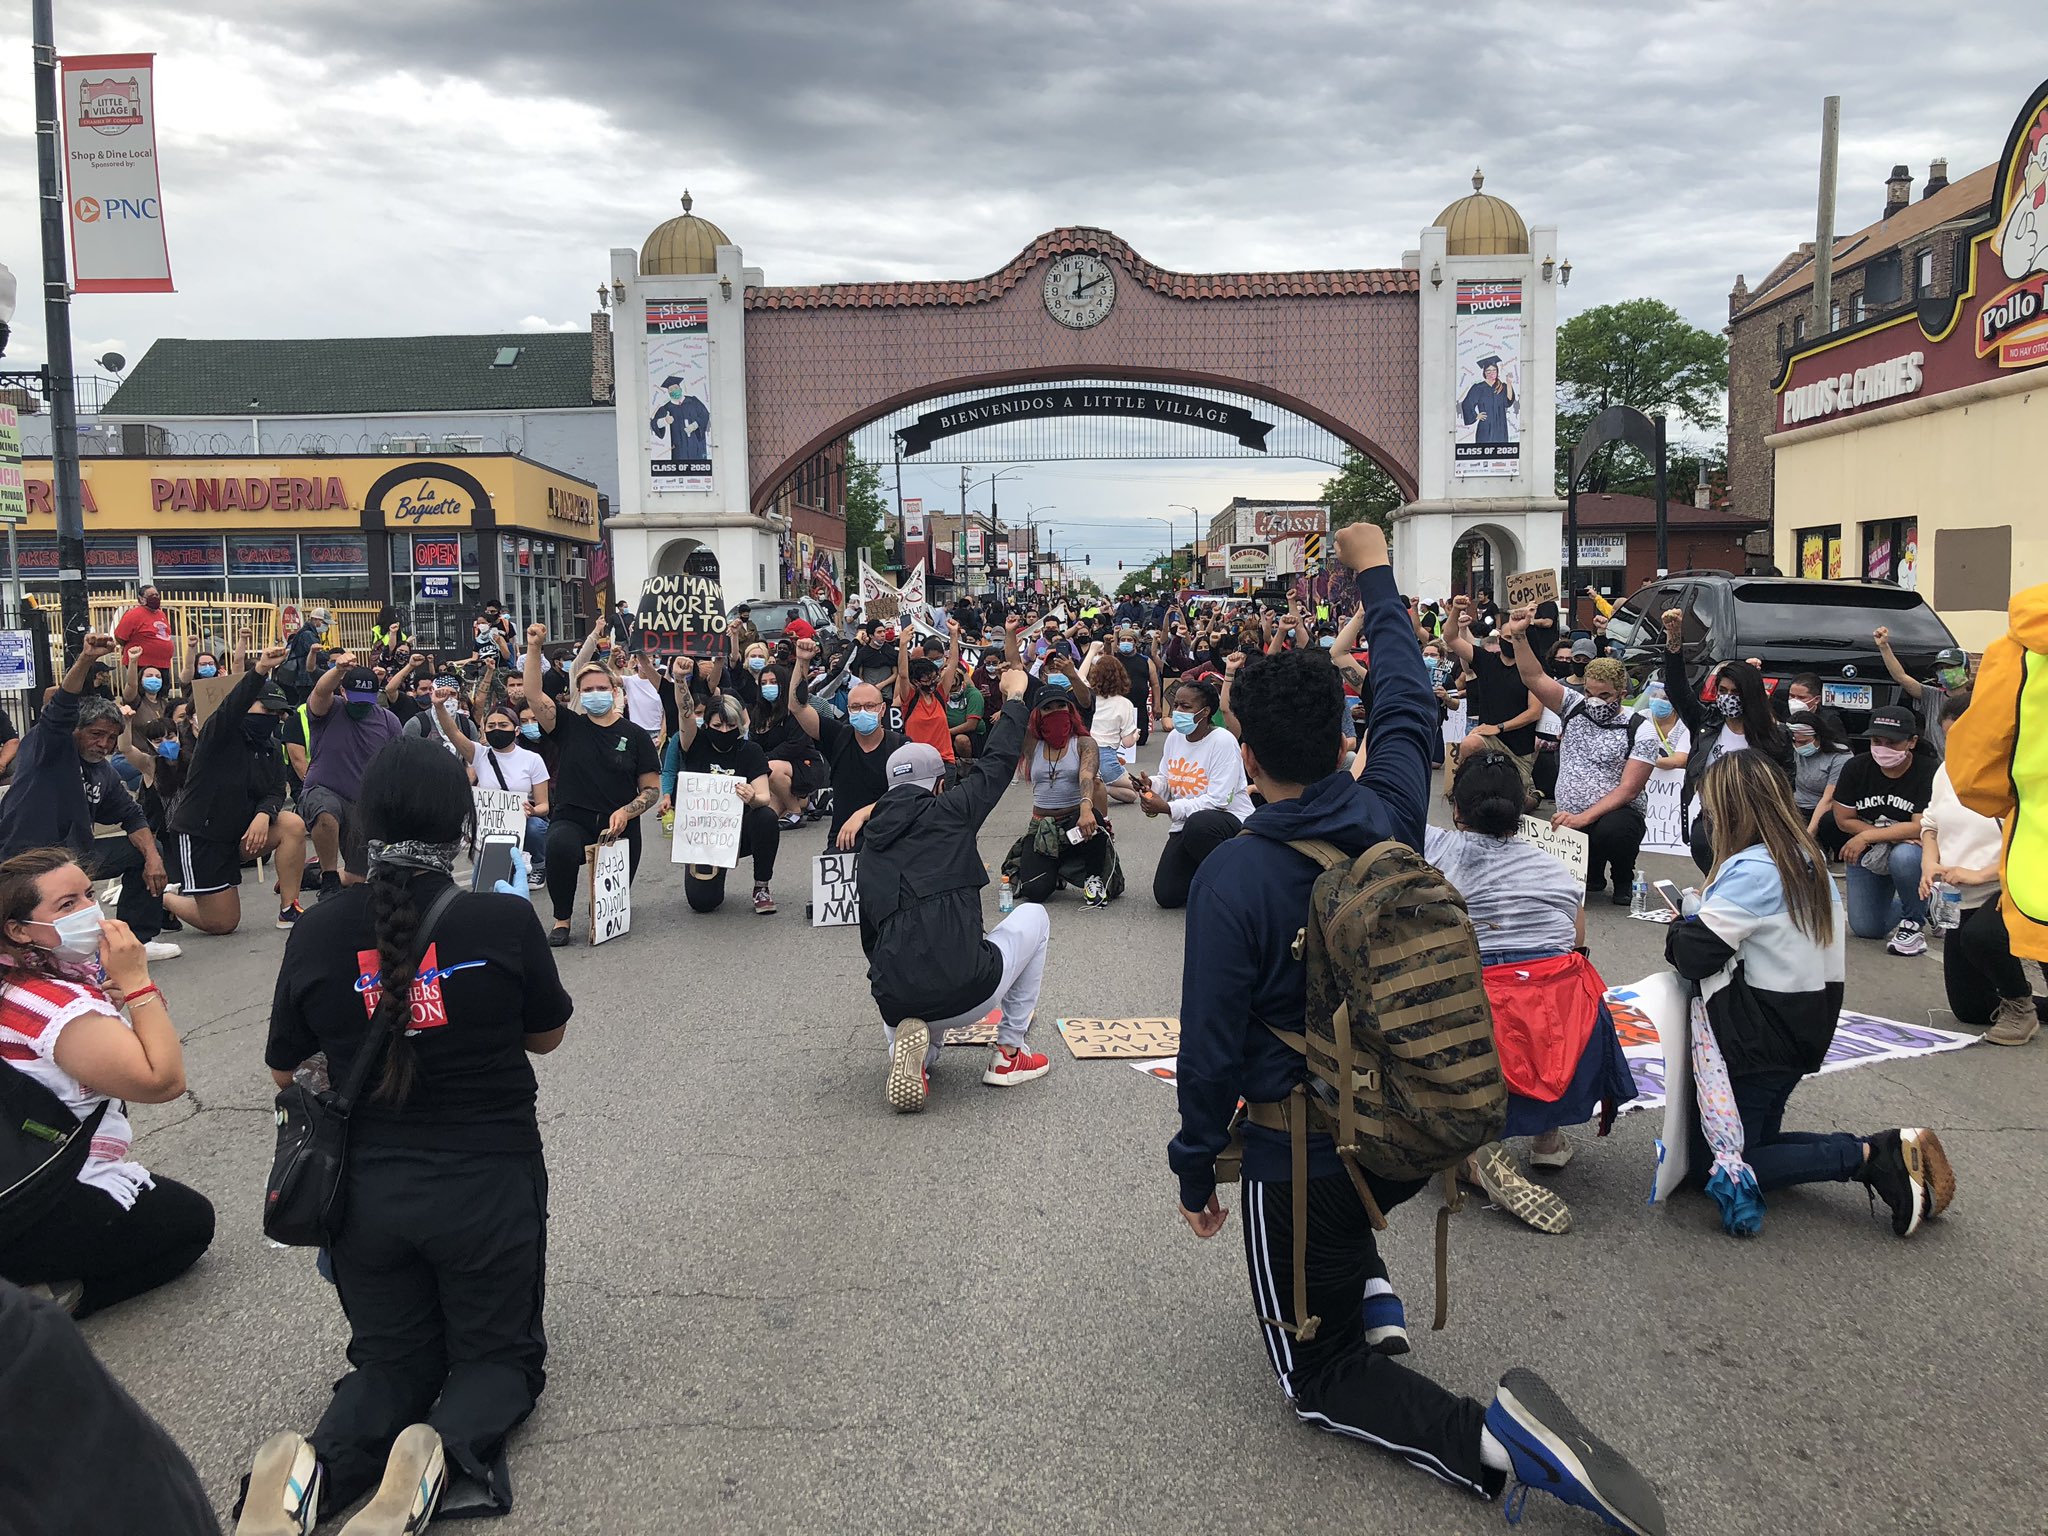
(1125,1039)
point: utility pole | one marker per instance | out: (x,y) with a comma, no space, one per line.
(1824,221)
(902,544)
(57,330)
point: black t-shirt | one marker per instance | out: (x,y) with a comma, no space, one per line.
(1498,694)
(600,765)
(744,759)
(858,776)
(1879,800)
(487,981)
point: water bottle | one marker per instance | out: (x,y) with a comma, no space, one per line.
(1639,896)
(1005,900)
(1947,905)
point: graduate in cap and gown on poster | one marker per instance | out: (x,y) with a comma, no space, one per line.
(1488,403)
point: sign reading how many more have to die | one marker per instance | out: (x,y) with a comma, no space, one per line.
(611,890)
(681,616)
(708,811)
(835,890)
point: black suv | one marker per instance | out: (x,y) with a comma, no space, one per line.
(1791,626)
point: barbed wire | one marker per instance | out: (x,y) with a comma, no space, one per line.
(104,441)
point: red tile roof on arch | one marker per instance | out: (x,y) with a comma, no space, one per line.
(1178,285)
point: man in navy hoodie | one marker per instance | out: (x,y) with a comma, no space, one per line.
(1249,900)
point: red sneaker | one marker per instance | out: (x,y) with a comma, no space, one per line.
(909,1083)
(1006,1067)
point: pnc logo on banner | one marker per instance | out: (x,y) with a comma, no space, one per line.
(87,209)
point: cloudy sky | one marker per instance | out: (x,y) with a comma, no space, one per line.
(463,165)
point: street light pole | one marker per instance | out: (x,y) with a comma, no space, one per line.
(1194,536)
(57,328)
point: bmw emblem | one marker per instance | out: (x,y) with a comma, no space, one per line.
(1849,669)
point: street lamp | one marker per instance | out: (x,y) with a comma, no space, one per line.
(990,482)
(1194,538)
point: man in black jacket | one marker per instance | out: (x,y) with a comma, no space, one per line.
(232,807)
(920,914)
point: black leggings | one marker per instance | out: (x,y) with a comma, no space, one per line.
(1977,965)
(1199,836)
(1038,875)
(118,1254)
(571,831)
(1615,839)
(760,835)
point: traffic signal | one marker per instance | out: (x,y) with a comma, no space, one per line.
(1087,559)
(1119,565)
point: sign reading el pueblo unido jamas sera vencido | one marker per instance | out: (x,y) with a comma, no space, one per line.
(681,616)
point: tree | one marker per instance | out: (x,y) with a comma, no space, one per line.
(1361,492)
(867,515)
(1642,353)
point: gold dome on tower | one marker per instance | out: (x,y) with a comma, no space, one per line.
(1482,226)
(684,245)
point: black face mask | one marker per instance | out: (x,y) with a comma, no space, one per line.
(259,730)
(721,740)
(501,739)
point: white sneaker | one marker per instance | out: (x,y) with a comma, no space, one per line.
(1908,939)
(161,949)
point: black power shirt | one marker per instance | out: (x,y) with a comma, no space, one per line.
(1882,800)
(486,982)
(600,766)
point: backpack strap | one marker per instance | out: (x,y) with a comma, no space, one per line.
(1329,855)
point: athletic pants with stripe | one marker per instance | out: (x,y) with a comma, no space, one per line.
(1334,1380)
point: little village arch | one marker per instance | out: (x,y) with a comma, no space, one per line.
(1441,369)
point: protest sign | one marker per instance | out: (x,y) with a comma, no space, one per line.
(1457,724)
(499,811)
(1666,824)
(1128,1038)
(610,895)
(207,693)
(708,810)
(1529,588)
(982,1031)
(1167,1070)
(835,890)
(879,599)
(1569,848)
(681,616)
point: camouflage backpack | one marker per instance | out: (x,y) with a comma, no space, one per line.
(1398,1037)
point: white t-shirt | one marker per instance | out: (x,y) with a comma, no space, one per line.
(1965,839)
(521,768)
(34,1011)
(643,703)
(1205,775)
(1115,718)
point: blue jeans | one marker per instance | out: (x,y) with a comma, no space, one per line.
(537,840)
(1779,1157)
(1877,903)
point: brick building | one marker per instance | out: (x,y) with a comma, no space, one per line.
(1618,541)
(1912,253)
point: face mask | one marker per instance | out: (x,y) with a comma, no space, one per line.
(78,934)
(597,701)
(1953,678)
(259,730)
(1057,680)
(757,663)
(1661,708)
(1184,721)
(1806,748)
(770,692)
(721,738)
(1730,704)
(357,710)
(167,749)
(1328,642)
(152,601)
(864,721)
(1056,729)
(207,669)
(1125,646)
(1889,757)
(152,685)
(1798,706)
(530,729)
(501,739)
(1602,711)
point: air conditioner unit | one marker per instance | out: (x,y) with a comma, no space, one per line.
(405,445)
(464,444)
(576,570)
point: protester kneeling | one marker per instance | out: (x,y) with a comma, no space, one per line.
(1067,842)
(1201,788)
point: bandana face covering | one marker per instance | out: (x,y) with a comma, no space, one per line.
(433,858)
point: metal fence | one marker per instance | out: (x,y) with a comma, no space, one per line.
(210,621)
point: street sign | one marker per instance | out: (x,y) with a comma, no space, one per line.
(13,492)
(17,658)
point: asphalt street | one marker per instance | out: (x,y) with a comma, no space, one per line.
(774,1306)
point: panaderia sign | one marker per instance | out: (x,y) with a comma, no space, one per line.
(1996,323)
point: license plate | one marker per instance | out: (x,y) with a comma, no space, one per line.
(1846,695)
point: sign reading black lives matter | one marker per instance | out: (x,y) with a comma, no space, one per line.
(681,616)
(1037,404)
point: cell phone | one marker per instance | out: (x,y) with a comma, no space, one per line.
(1668,892)
(1073,834)
(495,861)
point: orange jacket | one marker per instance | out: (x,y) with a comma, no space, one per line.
(1998,762)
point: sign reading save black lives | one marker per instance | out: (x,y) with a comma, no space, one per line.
(681,616)
(1092,400)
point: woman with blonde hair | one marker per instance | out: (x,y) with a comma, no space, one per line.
(1766,949)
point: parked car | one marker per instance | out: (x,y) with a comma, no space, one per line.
(1790,625)
(771,615)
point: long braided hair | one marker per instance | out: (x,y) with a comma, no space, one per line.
(413,791)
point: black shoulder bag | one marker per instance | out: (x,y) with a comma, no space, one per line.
(303,1202)
(42,1147)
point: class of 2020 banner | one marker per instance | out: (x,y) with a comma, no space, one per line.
(679,394)
(110,174)
(1488,406)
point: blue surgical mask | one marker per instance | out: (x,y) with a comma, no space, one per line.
(1806,748)
(1184,721)
(1057,680)
(207,669)
(1328,642)
(530,729)
(864,721)
(597,701)
(757,663)
(167,749)
(1126,646)
(152,685)
(770,692)
(1661,708)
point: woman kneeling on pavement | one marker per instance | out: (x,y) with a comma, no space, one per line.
(1559,1053)
(1604,756)
(717,746)
(1767,952)
(1060,762)
(1878,801)
(441,1259)
(1205,792)
(66,974)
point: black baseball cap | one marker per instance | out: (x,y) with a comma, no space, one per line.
(1892,723)
(359,685)
(273,698)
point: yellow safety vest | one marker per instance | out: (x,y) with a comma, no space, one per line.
(2026,854)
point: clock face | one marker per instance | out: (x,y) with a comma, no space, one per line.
(1079,290)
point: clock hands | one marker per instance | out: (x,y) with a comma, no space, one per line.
(1086,286)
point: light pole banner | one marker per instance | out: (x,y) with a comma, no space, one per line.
(679,387)
(1489,369)
(110,178)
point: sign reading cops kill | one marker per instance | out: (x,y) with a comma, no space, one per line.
(681,616)
(1094,400)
